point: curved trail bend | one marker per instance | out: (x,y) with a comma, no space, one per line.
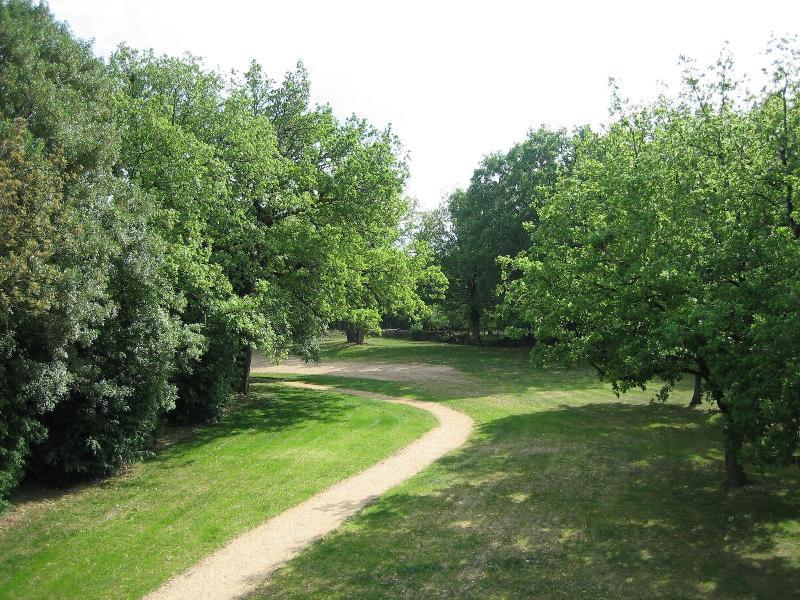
(237,568)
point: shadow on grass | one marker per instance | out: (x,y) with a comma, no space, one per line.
(336,346)
(482,358)
(391,388)
(268,408)
(446,387)
(599,501)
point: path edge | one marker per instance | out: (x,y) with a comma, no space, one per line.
(196,582)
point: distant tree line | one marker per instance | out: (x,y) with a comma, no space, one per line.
(158,222)
(665,245)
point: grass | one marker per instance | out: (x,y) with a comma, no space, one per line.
(564,491)
(123,537)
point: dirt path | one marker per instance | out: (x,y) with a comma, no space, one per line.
(236,569)
(372,370)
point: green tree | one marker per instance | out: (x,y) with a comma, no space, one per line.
(178,130)
(672,250)
(77,340)
(492,216)
(338,208)
(269,204)
(31,284)
(121,369)
(390,281)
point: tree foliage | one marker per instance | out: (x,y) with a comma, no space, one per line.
(87,331)
(673,249)
(490,219)
(159,223)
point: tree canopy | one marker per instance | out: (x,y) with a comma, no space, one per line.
(490,219)
(673,249)
(160,222)
(662,246)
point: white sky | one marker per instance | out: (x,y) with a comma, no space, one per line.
(456,80)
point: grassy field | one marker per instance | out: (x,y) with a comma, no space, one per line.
(124,536)
(564,491)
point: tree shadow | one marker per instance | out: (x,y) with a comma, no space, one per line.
(267,409)
(380,386)
(598,501)
(411,351)
(332,346)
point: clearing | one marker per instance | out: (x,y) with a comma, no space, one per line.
(563,491)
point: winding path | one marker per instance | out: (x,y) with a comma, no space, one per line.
(236,569)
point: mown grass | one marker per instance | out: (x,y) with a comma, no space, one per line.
(123,537)
(564,491)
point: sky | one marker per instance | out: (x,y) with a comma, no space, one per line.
(456,80)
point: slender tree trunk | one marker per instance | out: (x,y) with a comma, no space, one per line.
(697,397)
(733,444)
(248,360)
(475,325)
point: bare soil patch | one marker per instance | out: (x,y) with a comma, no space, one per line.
(403,372)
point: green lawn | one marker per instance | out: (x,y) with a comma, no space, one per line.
(564,491)
(124,536)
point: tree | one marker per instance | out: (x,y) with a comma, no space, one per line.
(269,204)
(159,224)
(490,219)
(671,251)
(339,209)
(390,280)
(121,369)
(88,336)
(31,285)
(201,159)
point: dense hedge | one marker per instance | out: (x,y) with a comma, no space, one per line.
(86,312)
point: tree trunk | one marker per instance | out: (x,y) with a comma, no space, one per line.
(475,325)
(697,397)
(733,444)
(248,360)
(354,333)
(733,441)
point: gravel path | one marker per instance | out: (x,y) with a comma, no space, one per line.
(236,569)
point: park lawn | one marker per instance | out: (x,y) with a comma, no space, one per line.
(124,536)
(564,491)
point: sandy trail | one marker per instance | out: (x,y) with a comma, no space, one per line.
(236,569)
(372,370)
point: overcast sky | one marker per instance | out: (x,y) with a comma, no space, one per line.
(456,80)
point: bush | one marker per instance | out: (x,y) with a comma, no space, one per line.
(87,336)
(34,290)
(120,375)
(206,383)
